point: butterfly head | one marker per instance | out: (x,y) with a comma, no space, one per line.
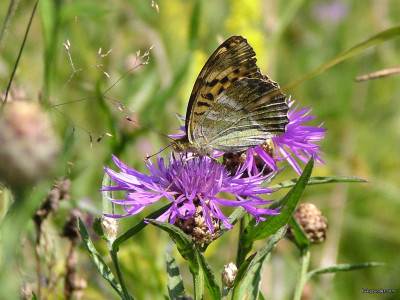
(180,145)
(183,144)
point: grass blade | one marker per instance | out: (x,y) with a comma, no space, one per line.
(381,37)
(319,180)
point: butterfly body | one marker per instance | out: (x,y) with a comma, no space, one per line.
(233,106)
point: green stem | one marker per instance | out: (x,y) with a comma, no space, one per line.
(304,264)
(12,227)
(198,282)
(244,246)
(114,257)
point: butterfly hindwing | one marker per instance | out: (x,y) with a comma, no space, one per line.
(233,59)
(233,106)
(246,114)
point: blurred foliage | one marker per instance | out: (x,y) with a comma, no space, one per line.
(290,38)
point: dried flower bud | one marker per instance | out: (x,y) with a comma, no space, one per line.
(311,220)
(196,226)
(59,192)
(70,230)
(229,274)
(29,146)
(232,160)
(110,227)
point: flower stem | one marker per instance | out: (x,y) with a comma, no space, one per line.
(198,282)
(304,264)
(244,246)
(114,258)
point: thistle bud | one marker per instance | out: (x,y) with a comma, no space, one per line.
(29,145)
(311,220)
(110,228)
(229,274)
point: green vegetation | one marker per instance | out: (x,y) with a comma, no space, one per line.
(291,38)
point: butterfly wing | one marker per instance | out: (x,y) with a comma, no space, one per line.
(246,114)
(233,59)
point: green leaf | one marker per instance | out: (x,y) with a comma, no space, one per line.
(300,237)
(248,278)
(98,229)
(343,268)
(139,226)
(261,296)
(97,259)
(319,180)
(183,242)
(175,286)
(209,276)
(288,203)
(383,36)
(34,297)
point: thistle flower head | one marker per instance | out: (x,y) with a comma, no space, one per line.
(188,183)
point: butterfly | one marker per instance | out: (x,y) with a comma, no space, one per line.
(233,106)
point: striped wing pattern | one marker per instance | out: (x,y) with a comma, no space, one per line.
(248,113)
(233,106)
(233,59)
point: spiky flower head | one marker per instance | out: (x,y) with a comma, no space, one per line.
(192,185)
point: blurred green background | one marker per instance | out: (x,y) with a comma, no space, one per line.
(290,38)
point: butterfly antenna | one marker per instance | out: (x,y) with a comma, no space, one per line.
(162,149)
(155,131)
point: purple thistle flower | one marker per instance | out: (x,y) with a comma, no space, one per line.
(188,183)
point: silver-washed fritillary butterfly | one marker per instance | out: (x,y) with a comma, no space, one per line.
(233,106)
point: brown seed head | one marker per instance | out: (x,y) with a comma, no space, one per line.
(196,226)
(313,223)
(29,146)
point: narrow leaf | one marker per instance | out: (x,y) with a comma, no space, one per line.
(97,259)
(288,203)
(300,237)
(261,296)
(209,276)
(319,180)
(98,229)
(34,297)
(184,244)
(175,286)
(139,226)
(248,278)
(343,268)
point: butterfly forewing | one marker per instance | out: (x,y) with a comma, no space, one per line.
(245,115)
(233,106)
(232,60)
